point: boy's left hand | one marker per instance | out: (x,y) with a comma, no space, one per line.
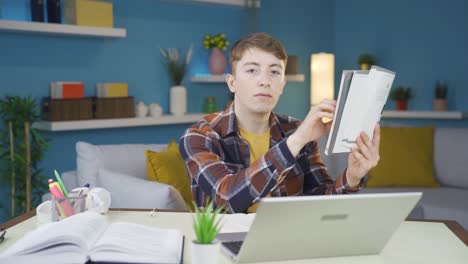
(364,157)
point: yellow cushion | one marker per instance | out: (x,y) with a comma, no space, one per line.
(406,158)
(168,167)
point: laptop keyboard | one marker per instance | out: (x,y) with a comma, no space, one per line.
(233,246)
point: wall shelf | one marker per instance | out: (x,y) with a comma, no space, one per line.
(454,115)
(222,78)
(240,3)
(60,29)
(117,122)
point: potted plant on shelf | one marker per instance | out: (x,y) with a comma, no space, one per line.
(440,101)
(401,95)
(217,44)
(177,70)
(205,248)
(366,60)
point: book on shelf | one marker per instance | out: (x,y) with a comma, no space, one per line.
(104,90)
(88,236)
(359,106)
(88,13)
(66,90)
(54,14)
(37,10)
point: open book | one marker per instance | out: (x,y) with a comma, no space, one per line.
(87,236)
(360,102)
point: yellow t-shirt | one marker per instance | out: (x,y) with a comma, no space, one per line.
(259,144)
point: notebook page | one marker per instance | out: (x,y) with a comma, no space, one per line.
(346,78)
(353,113)
(73,234)
(127,242)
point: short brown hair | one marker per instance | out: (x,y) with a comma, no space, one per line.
(261,41)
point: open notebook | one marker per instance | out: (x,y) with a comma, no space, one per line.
(360,102)
(87,236)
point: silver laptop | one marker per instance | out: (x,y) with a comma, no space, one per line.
(287,228)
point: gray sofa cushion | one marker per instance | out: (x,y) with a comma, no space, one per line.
(450,156)
(128,159)
(132,192)
(437,203)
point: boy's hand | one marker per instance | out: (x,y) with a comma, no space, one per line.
(364,157)
(312,128)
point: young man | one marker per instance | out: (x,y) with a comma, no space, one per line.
(246,152)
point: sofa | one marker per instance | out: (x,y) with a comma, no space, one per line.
(450,200)
(121,169)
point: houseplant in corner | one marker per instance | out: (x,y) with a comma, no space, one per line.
(217,44)
(440,100)
(205,249)
(401,95)
(21,149)
(366,60)
(177,70)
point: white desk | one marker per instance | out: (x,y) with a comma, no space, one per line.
(414,242)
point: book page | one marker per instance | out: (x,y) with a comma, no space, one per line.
(127,242)
(72,235)
(346,79)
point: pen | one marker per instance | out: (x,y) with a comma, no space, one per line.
(59,180)
(2,235)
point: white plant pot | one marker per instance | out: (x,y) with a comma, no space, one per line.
(205,253)
(178,100)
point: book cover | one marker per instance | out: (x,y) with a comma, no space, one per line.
(37,10)
(360,102)
(107,90)
(88,13)
(54,14)
(66,90)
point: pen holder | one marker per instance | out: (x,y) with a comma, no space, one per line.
(65,207)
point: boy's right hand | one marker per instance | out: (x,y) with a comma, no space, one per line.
(312,128)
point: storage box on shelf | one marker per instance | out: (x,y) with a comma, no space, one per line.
(87,108)
(118,107)
(67,109)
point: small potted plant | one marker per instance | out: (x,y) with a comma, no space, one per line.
(401,95)
(177,69)
(205,248)
(440,100)
(366,60)
(217,44)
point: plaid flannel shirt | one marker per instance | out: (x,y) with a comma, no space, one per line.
(218,162)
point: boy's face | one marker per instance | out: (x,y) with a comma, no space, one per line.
(257,81)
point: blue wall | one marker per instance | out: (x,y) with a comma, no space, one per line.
(422,40)
(303,27)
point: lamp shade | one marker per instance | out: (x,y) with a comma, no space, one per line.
(322,77)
